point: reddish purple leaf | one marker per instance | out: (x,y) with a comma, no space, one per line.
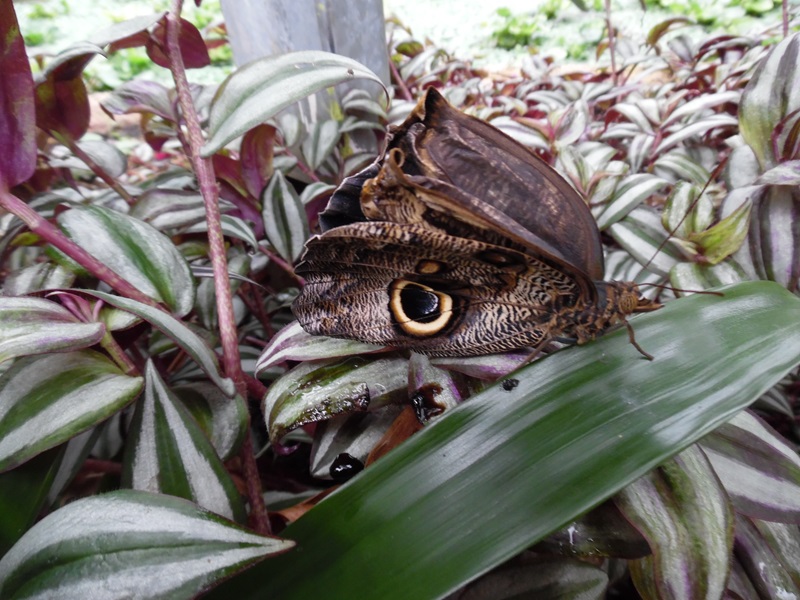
(229,170)
(62,107)
(256,155)
(17,113)
(193,48)
(70,63)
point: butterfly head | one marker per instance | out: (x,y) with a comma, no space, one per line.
(626,299)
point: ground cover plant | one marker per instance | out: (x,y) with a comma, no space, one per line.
(159,405)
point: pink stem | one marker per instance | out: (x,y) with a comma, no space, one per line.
(209,189)
(50,233)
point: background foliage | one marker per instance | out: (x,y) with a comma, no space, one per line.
(156,398)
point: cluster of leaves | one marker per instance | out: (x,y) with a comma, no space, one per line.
(156,387)
(516,30)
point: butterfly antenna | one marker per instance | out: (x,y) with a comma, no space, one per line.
(674,289)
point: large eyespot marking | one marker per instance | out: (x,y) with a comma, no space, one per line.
(419,310)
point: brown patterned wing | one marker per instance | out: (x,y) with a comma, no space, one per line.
(407,286)
(394,196)
(444,144)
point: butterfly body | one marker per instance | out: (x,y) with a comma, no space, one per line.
(453,244)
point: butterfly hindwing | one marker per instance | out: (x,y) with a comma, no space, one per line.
(407,286)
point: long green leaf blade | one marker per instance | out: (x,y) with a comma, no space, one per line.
(507,467)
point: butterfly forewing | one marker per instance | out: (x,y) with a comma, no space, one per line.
(472,155)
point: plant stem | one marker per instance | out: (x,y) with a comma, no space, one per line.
(785,18)
(398,80)
(204,172)
(209,189)
(611,43)
(50,233)
(117,354)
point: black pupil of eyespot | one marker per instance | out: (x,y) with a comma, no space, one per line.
(419,305)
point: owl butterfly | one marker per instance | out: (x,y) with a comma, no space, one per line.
(458,241)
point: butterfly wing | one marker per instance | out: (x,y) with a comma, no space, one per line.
(407,286)
(448,145)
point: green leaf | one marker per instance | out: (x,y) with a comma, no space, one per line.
(692,276)
(187,339)
(759,470)
(642,235)
(37,326)
(224,420)
(264,87)
(356,434)
(23,492)
(320,143)
(630,193)
(124,29)
(682,167)
(701,103)
(505,468)
(784,541)
(541,578)
(787,173)
(129,544)
(684,513)
(316,391)
(771,95)
(293,343)
(165,208)
(723,239)
(134,250)
(167,452)
(774,244)
(46,400)
(285,222)
(764,569)
(696,128)
(41,276)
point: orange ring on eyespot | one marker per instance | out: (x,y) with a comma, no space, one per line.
(411,326)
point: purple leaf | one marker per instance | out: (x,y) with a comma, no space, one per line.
(787,173)
(760,472)
(684,513)
(193,48)
(17,113)
(256,157)
(62,107)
